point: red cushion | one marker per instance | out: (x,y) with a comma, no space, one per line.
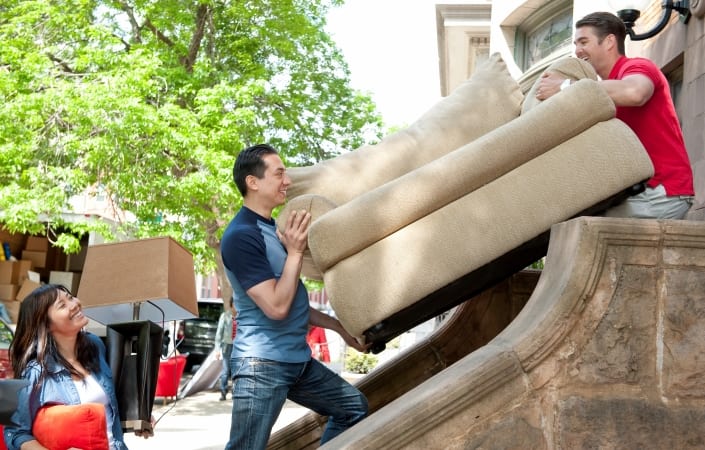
(60,427)
(2,438)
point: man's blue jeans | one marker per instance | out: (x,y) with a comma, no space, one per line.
(225,371)
(261,386)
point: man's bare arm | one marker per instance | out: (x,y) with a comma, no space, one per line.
(319,319)
(632,90)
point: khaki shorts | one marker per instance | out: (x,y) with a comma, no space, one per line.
(653,203)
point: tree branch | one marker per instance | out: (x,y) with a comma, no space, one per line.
(136,29)
(64,65)
(210,50)
(202,18)
(124,42)
(161,36)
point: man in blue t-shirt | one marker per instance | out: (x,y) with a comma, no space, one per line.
(271,360)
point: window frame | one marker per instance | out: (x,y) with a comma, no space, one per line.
(533,24)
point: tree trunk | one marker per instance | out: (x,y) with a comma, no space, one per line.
(226,291)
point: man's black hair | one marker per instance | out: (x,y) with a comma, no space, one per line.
(250,162)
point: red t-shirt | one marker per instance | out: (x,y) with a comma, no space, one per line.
(656,124)
(316,338)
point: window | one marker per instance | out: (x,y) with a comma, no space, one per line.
(549,31)
(553,35)
(207,286)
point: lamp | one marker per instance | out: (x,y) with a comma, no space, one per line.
(630,10)
(132,287)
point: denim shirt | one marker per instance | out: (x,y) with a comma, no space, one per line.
(59,388)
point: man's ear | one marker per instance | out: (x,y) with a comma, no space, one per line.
(251,182)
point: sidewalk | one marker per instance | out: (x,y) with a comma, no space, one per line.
(198,422)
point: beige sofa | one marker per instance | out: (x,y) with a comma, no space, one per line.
(398,251)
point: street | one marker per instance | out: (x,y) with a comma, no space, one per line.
(198,422)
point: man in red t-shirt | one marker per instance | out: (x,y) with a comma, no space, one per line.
(643,99)
(316,339)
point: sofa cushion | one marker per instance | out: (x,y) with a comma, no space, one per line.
(317,205)
(488,99)
(60,427)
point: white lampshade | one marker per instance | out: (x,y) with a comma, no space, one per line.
(153,277)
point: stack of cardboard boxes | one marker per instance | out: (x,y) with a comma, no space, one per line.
(37,259)
(36,249)
(15,284)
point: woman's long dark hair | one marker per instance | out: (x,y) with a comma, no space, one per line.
(33,341)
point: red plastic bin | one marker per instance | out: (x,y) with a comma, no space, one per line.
(170,371)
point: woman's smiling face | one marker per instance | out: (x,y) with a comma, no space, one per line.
(66,315)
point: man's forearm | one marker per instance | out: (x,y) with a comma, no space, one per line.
(323,320)
(286,286)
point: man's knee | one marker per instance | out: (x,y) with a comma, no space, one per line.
(358,411)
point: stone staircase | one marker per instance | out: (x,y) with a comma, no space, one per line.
(606,353)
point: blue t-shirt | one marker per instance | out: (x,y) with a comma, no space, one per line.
(252,253)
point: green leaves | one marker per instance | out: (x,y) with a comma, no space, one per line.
(141,106)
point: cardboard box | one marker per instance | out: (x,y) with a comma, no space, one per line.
(6,272)
(20,269)
(13,309)
(26,288)
(39,259)
(37,244)
(8,292)
(69,280)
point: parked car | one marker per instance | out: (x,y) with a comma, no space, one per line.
(197,336)
(6,336)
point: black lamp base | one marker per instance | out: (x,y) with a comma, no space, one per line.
(134,349)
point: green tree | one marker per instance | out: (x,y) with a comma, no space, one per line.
(148,103)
